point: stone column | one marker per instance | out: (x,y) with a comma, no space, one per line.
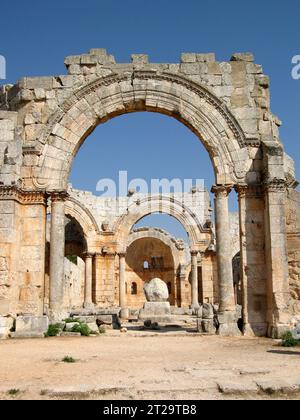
(194,266)
(181,283)
(88,302)
(252,262)
(227,308)
(57,255)
(278,292)
(122,289)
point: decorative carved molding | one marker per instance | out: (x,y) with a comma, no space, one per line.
(253,142)
(275,185)
(22,196)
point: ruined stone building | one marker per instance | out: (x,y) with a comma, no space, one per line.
(252,258)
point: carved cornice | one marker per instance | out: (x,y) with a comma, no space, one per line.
(22,196)
(275,185)
(254,142)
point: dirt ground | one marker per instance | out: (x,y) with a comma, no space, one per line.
(143,365)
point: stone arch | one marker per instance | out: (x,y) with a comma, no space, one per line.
(160,204)
(164,237)
(77,211)
(163,257)
(190,103)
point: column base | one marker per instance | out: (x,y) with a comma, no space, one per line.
(124,313)
(228,325)
(56,315)
(88,305)
(195,308)
(248,331)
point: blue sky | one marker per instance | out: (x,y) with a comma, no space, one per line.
(35,37)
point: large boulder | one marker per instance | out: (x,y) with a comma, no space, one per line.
(156,291)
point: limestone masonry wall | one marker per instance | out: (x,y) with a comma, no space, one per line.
(293,234)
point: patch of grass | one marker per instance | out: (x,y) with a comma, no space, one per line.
(53,330)
(289,341)
(82,328)
(13,392)
(68,359)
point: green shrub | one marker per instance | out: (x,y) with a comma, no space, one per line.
(289,341)
(82,328)
(68,359)
(13,392)
(53,330)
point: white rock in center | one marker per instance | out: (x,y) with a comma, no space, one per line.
(156,291)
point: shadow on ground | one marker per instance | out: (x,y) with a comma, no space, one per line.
(285,352)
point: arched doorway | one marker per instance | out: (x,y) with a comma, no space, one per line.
(161,265)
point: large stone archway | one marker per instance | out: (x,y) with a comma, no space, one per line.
(44,121)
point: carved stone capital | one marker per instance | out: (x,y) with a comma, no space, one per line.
(249,191)
(98,255)
(221,190)
(88,254)
(57,196)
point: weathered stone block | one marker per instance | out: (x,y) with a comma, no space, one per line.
(6,323)
(30,325)
(188,58)
(248,57)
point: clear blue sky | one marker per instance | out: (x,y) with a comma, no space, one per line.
(36,36)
